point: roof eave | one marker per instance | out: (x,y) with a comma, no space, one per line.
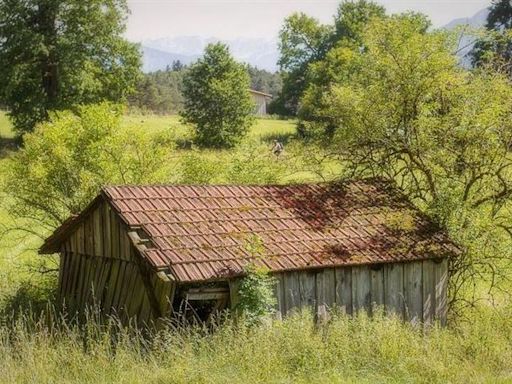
(53,242)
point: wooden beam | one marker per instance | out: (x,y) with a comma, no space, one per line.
(206,296)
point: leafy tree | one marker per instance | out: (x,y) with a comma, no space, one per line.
(500,15)
(159,92)
(65,161)
(304,42)
(495,47)
(351,21)
(217,101)
(56,54)
(404,109)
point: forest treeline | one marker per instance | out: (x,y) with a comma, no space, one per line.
(161,92)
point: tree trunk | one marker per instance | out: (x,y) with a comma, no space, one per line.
(47,11)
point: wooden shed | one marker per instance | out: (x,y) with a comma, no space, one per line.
(260,100)
(154,251)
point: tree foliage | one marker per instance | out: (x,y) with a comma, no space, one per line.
(338,67)
(265,81)
(56,54)
(160,92)
(304,41)
(65,161)
(217,101)
(495,48)
(351,20)
(402,108)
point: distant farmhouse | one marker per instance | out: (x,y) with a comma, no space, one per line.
(147,252)
(261,101)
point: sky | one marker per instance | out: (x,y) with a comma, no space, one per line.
(229,19)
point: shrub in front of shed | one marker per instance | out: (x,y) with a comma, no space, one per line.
(256,295)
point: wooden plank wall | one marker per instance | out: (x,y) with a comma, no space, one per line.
(413,291)
(99,267)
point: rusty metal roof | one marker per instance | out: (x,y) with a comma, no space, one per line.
(213,232)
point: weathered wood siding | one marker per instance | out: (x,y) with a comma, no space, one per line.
(260,104)
(413,291)
(99,266)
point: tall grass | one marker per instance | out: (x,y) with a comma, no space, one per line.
(345,350)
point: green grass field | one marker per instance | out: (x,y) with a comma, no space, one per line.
(261,128)
(5,126)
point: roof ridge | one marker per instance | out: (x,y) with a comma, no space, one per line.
(290,184)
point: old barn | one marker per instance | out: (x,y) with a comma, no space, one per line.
(261,101)
(147,252)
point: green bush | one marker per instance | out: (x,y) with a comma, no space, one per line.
(256,295)
(65,162)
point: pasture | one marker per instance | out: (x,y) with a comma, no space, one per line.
(5,125)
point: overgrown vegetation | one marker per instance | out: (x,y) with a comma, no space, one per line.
(376,95)
(256,295)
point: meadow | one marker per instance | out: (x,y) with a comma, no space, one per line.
(5,125)
(476,347)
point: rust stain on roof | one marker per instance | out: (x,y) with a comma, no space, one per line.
(201,232)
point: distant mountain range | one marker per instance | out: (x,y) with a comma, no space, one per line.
(478,20)
(159,53)
(466,43)
(261,53)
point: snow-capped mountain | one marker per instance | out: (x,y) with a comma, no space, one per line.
(155,59)
(478,20)
(158,53)
(467,41)
(262,53)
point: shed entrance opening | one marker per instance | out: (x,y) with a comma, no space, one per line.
(200,304)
